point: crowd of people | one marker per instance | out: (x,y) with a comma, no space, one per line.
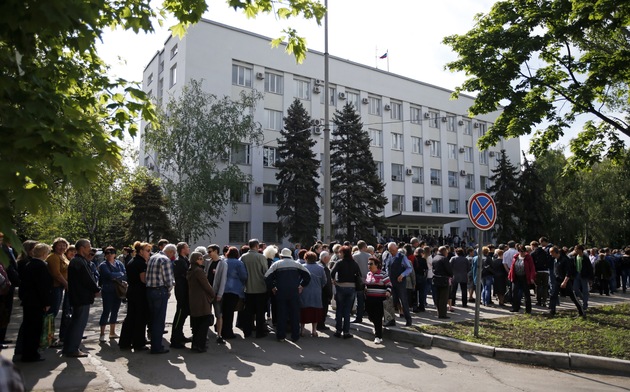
(258,288)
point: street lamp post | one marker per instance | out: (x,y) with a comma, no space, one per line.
(327,191)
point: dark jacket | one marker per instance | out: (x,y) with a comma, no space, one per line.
(563,267)
(180,269)
(345,271)
(82,285)
(587,267)
(541,259)
(36,286)
(441,266)
(327,290)
(286,275)
(603,270)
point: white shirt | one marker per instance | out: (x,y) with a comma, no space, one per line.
(508,256)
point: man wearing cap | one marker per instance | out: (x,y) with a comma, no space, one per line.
(286,278)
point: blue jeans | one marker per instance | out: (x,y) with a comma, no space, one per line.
(76,329)
(344,300)
(111,306)
(580,286)
(57,298)
(158,300)
(486,294)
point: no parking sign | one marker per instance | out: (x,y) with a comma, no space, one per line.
(482,211)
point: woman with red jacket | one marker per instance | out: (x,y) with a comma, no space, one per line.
(522,274)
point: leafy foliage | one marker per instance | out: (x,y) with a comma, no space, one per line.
(548,62)
(298,211)
(505,190)
(193,136)
(357,191)
(531,194)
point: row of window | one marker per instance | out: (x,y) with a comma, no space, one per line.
(274,83)
(434,205)
(239,232)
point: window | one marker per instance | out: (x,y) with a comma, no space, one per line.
(241,196)
(160,90)
(397,172)
(273,119)
(482,129)
(270,194)
(240,154)
(416,176)
(374,106)
(302,89)
(468,154)
(435,148)
(241,76)
(396,110)
(174,51)
(450,123)
(239,232)
(436,177)
(270,156)
(452,179)
(379,169)
(397,141)
(467,127)
(436,205)
(161,62)
(332,96)
(416,203)
(483,183)
(416,143)
(453,206)
(354,99)
(416,115)
(270,232)
(470,181)
(173,76)
(452,151)
(150,79)
(376,138)
(274,83)
(433,119)
(398,203)
(483,157)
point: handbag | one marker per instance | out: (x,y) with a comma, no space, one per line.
(121,287)
(48,331)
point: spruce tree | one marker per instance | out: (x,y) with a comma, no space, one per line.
(357,191)
(505,191)
(531,197)
(298,211)
(148,221)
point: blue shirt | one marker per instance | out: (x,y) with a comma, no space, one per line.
(236,277)
(405,262)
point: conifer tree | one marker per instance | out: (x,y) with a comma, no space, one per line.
(357,190)
(531,197)
(505,193)
(148,221)
(298,211)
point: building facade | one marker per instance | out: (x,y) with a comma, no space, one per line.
(423,142)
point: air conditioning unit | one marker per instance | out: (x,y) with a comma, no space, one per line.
(260,75)
(316,90)
(316,122)
(409,172)
(476,125)
(427,115)
(429,202)
(319,82)
(491,153)
(461,122)
(462,173)
(365,101)
(317,131)
(259,190)
(342,96)
(444,119)
(387,107)
(427,142)
(394,178)
(462,149)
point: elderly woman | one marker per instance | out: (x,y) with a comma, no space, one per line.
(58,269)
(133,332)
(522,274)
(200,298)
(110,270)
(344,274)
(377,288)
(234,290)
(311,306)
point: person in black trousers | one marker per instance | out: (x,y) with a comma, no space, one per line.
(181,294)
(133,331)
(441,273)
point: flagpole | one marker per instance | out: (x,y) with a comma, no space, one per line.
(387,60)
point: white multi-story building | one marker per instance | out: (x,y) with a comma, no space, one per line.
(423,142)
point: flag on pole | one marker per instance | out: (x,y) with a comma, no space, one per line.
(383,56)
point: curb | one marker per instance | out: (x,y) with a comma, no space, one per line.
(571,361)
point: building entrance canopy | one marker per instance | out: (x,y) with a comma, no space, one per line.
(423,218)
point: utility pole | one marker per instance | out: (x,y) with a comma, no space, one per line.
(327,191)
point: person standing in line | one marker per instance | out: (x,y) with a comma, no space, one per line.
(201,296)
(180,269)
(541,262)
(327,290)
(110,270)
(398,269)
(442,272)
(58,269)
(602,274)
(522,274)
(583,274)
(133,331)
(255,291)
(377,288)
(461,267)
(217,276)
(344,274)
(82,289)
(234,290)
(361,257)
(160,282)
(311,308)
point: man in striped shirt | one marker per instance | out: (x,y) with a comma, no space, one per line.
(160,282)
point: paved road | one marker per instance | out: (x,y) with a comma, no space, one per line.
(314,364)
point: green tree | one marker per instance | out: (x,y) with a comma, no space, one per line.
(298,211)
(59,110)
(190,140)
(548,62)
(357,191)
(531,189)
(505,191)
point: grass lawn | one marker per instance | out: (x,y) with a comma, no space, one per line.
(606,332)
